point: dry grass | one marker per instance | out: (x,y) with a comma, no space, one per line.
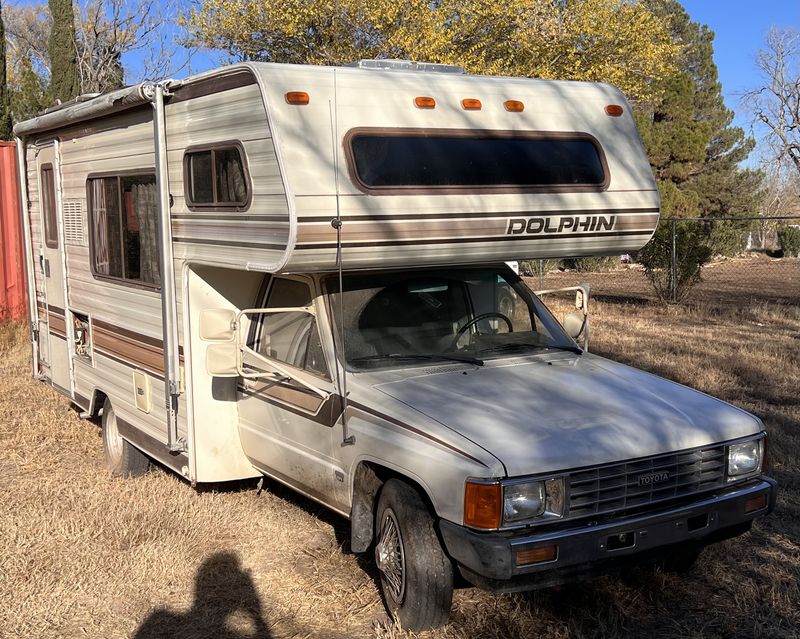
(86,555)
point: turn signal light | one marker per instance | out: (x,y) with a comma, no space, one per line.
(482,505)
(297,97)
(424,102)
(755,503)
(537,555)
(614,110)
(514,105)
(470,104)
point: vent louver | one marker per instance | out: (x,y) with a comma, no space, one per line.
(74,226)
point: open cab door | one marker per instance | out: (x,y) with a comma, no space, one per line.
(228,354)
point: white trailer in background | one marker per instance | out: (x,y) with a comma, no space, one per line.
(297,272)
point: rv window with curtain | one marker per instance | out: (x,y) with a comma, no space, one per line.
(48,187)
(216,178)
(123,214)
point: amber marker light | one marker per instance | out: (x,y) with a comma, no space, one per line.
(297,97)
(471,104)
(482,504)
(614,110)
(515,106)
(755,503)
(424,102)
(537,555)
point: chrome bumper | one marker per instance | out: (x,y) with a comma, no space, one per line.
(489,560)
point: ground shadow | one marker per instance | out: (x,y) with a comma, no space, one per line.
(225,600)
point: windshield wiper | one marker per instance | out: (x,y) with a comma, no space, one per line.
(525,345)
(411,356)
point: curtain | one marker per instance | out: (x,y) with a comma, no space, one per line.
(230,177)
(146,208)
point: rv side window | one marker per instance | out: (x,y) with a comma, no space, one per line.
(216,177)
(123,214)
(291,337)
(436,160)
(48,186)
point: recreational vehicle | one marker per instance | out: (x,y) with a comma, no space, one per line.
(299,272)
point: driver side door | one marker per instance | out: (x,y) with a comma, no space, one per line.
(286,429)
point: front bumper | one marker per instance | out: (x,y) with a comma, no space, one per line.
(489,560)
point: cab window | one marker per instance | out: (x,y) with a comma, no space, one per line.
(290,337)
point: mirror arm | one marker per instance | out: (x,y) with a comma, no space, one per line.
(277,369)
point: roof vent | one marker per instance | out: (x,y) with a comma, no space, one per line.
(408,65)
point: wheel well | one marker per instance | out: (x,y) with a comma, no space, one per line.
(98,400)
(368,480)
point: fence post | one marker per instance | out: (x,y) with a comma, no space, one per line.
(541,274)
(674,263)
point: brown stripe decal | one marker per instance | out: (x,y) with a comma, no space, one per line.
(298,401)
(392,420)
(391,217)
(464,240)
(384,231)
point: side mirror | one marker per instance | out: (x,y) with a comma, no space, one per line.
(222,360)
(217,325)
(574,323)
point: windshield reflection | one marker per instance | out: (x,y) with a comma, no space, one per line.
(432,316)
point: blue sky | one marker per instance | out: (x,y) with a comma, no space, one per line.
(740,27)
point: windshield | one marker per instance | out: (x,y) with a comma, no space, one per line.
(404,319)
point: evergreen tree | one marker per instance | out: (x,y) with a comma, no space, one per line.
(27,97)
(6,123)
(64,82)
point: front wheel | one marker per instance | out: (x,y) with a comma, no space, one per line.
(416,575)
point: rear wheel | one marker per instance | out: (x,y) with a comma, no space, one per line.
(122,458)
(416,575)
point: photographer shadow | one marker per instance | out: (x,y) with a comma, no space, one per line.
(226,606)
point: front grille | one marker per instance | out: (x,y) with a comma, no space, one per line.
(617,487)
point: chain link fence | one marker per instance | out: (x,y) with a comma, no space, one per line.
(752,260)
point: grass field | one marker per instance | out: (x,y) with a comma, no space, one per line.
(86,555)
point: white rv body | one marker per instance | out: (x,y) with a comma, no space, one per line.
(299,172)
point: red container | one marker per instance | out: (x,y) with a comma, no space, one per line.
(12,268)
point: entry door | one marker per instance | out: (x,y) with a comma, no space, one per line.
(286,429)
(53,325)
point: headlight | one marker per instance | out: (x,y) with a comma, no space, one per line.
(523,501)
(527,500)
(745,459)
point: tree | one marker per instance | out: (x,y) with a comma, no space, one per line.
(62,50)
(28,91)
(605,40)
(776,103)
(6,123)
(695,156)
(781,199)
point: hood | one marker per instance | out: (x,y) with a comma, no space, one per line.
(560,411)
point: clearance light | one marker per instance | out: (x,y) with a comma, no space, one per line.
(482,505)
(424,102)
(614,110)
(297,97)
(470,104)
(514,106)
(537,555)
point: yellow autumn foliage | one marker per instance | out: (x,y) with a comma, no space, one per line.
(616,41)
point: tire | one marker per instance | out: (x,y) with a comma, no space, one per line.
(416,575)
(122,458)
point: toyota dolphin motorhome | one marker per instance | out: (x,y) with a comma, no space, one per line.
(298,272)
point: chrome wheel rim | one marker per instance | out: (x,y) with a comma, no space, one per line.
(391,558)
(113,438)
